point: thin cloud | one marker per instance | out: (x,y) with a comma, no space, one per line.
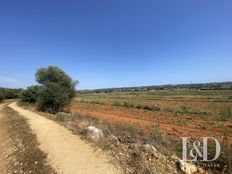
(10,82)
(7,79)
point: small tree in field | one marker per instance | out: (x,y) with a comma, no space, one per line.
(57,89)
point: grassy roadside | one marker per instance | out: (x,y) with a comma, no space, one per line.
(23,154)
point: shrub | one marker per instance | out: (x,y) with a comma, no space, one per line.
(61,116)
(128,105)
(229,112)
(148,108)
(184,109)
(57,89)
(116,103)
(156,108)
(223,117)
(152,108)
(30,95)
(10,93)
(1,98)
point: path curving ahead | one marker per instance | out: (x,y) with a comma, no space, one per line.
(67,153)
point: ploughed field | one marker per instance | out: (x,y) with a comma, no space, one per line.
(178,113)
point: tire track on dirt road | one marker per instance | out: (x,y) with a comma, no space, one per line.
(67,153)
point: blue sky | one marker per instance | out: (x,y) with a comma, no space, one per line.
(113,43)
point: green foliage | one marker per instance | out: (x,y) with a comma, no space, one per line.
(30,95)
(61,116)
(57,89)
(229,112)
(128,105)
(223,117)
(7,93)
(152,108)
(117,103)
(185,110)
(1,98)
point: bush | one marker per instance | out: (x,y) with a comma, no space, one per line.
(10,93)
(229,112)
(61,116)
(1,98)
(152,108)
(116,103)
(128,105)
(57,89)
(30,95)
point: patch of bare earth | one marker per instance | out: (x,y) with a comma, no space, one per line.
(172,125)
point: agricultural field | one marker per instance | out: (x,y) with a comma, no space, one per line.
(178,112)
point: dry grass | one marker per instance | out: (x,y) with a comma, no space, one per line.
(177,113)
(167,116)
(209,101)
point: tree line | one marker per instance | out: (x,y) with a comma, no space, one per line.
(7,93)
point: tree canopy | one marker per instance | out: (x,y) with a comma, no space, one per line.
(57,89)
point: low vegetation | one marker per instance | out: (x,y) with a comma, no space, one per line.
(170,113)
(7,93)
(1,98)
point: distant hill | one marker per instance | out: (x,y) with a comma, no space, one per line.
(197,86)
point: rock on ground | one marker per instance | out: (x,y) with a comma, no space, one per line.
(94,133)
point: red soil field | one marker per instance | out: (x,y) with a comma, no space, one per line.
(171,125)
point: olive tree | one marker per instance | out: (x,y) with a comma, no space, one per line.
(56,91)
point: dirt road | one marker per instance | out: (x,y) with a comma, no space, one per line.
(67,153)
(3,138)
